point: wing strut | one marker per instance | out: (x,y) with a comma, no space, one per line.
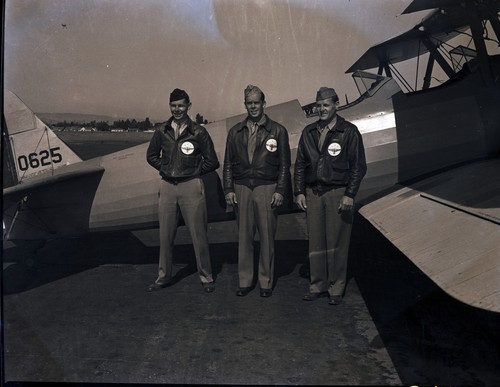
(438,57)
(477,34)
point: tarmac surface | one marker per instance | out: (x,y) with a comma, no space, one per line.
(80,314)
(77,311)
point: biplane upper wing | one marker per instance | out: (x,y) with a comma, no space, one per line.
(439,26)
(448,226)
(422,5)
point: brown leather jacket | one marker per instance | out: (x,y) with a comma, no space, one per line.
(190,156)
(270,162)
(340,163)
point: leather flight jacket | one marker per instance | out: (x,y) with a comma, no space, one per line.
(340,163)
(189,156)
(270,163)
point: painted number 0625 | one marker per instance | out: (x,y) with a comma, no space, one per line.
(42,159)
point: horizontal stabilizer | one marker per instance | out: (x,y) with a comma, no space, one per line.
(23,189)
(56,206)
(448,226)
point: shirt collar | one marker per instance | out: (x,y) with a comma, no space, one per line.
(262,122)
(187,124)
(330,126)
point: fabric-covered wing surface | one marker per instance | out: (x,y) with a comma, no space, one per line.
(449,227)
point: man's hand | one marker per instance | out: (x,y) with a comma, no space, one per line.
(231,199)
(346,204)
(301,201)
(277,200)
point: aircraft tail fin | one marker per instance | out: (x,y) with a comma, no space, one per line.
(30,147)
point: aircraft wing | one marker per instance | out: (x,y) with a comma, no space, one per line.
(56,205)
(27,187)
(448,225)
(437,26)
(484,7)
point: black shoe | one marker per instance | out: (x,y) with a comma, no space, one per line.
(335,300)
(266,292)
(242,292)
(209,287)
(158,285)
(313,296)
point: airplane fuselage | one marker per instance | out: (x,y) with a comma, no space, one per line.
(405,136)
(401,143)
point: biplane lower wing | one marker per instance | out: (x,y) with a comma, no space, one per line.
(449,227)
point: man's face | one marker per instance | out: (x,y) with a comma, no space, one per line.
(326,109)
(179,109)
(255,106)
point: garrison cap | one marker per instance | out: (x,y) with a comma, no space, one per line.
(179,94)
(251,89)
(325,93)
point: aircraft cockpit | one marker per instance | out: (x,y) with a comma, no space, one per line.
(368,85)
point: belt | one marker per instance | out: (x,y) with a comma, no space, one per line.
(176,181)
(320,188)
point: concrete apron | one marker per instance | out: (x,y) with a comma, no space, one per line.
(100,325)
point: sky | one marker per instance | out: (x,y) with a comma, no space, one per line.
(122,58)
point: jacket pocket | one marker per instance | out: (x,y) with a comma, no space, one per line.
(274,161)
(340,170)
(190,161)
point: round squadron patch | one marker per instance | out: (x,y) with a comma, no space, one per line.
(334,149)
(187,148)
(272,145)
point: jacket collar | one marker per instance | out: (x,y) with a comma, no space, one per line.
(243,124)
(339,126)
(189,125)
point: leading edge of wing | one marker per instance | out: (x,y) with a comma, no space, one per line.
(436,25)
(24,188)
(448,226)
(422,5)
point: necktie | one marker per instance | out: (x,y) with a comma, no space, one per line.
(252,138)
(323,133)
(178,129)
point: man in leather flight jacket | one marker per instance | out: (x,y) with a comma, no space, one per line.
(329,168)
(182,151)
(256,177)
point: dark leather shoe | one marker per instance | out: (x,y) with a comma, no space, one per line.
(209,287)
(335,300)
(312,296)
(266,292)
(158,285)
(242,292)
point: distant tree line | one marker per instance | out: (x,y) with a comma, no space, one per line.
(104,126)
(133,124)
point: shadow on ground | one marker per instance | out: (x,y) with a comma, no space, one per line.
(31,264)
(431,337)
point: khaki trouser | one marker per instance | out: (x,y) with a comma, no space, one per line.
(329,237)
(255,212)
(189,199)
